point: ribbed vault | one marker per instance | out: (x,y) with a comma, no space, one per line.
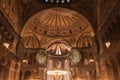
(31,41)
(57,22)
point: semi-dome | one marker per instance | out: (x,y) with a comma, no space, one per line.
(56,22)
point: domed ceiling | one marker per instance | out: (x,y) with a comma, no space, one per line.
(57,19)
(56,22)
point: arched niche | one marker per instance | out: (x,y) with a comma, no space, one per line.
(85,41)
(31,41)
(56,22)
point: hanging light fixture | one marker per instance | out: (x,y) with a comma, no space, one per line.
(58,59)
(58,65)
(57,1)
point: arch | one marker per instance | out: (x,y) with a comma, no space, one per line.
(58,21)
(3,61)
(114,68)
(85,40)
(31,41)
(27,75)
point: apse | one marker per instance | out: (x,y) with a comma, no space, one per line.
(63,36)
(59,39)
(57,22)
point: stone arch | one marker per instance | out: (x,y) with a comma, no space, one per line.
(38,24)
(20,48)
(108,69)
(31,41)
(27,75)
(85,40)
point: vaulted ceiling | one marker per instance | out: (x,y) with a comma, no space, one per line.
(56,20)
(19,11)
(37,25)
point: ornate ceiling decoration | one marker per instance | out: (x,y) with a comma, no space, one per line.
(85,41)
(56,22)
(30,41)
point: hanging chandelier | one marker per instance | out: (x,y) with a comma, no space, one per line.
(58,59)
(57,1)
(58,63)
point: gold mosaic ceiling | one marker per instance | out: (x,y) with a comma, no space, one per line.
(56,22)
(57,19)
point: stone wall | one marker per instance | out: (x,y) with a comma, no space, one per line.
(109,56)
